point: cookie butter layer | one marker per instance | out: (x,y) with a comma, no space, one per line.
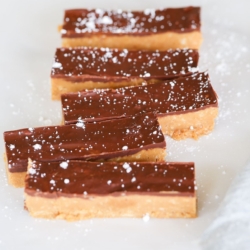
(135,138)
(79,190)
(76,69)
(181,105)
(177,28)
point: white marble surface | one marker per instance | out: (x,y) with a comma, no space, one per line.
(28,41)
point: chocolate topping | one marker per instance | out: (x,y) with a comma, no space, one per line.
(83,141)
(83,22)
(104,64)
(70,178)
(169,97)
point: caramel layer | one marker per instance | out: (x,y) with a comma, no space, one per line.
(88,141)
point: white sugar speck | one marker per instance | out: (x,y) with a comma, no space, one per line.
(52,182)
(126,165)
(109,182)
(32,171)
(133,179)
(129,169)
(146,217)
(80,124)
(63,31)
(37,146)
(64,165)
(66,181)
(147,75)
(57,65)
(12,146)
(125,148)
(106,20)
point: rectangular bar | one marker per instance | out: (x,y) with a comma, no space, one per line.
(185,107)
(75,190)
(77,69)
(150,29)
(136,138)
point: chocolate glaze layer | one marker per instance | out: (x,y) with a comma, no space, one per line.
(178,96)
(105,64)
(71,178)
(83,22)
(83,141)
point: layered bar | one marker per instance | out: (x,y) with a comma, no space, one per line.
(140,30)
(185,107)
(137,138)
(75,190)
(77,69)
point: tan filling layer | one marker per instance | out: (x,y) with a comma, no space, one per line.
(163,41)
(190,125)
(150,155)
(61,86)
(111,207)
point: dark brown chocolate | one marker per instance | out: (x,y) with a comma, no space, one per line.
(105,64)
(83,22)
(83,141)
(185,94)
(70,178)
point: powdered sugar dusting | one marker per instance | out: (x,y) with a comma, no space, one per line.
(66,181)
(146,217)
(119,21)
(37,146)
(123,63)
(80,124)
(64,164)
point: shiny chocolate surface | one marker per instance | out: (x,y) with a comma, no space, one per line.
(84,22)
(105,64)
(70,178)
(177,96)
(83,141)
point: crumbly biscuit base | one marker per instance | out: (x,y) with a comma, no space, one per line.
(190,125)
(150,155)
(162,41)
(76,208)
(61,86)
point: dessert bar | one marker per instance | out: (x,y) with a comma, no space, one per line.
(77,69)
(185,107)
(141,30)
(136,138)
(75,190)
